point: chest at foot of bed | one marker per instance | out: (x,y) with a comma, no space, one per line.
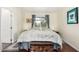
(42,47)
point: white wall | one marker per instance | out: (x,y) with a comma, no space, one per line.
(69,32)
(0,31)
(53,19)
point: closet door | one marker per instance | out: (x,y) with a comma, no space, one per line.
(6,26)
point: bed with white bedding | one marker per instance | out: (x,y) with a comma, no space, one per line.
(40,32)
(37,35)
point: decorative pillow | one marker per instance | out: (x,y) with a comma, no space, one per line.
(40,25)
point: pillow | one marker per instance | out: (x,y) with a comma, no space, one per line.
(40,25)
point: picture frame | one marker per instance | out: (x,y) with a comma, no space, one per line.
(72,16)
(28,20)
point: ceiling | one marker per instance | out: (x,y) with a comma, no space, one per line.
(41,9)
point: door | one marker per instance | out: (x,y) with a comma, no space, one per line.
(6,27)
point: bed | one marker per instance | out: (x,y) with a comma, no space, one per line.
(39,35)
(40,32)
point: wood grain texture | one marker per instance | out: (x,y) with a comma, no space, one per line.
(68,48)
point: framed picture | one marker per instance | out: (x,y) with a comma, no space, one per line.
(28,20)
(72,16)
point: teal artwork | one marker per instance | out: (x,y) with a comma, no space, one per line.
(72,16)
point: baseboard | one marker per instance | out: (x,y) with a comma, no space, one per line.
(71,45)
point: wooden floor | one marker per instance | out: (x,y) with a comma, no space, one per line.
(67,48)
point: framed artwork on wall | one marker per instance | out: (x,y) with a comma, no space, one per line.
(72,16)
(28,20)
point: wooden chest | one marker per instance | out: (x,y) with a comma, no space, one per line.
(41,46)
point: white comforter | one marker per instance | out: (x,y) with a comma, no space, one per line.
(37,35)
